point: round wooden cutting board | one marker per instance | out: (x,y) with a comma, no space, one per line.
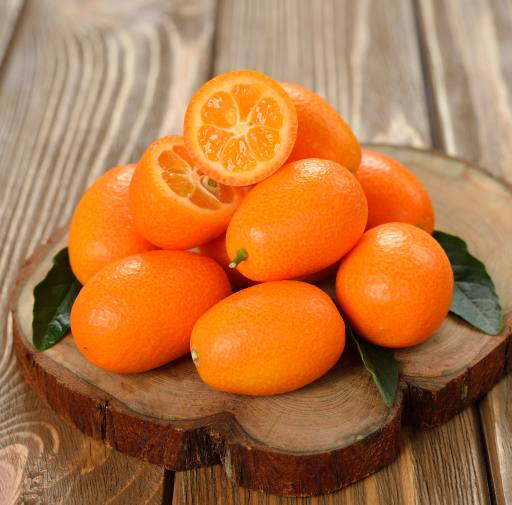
(314,440)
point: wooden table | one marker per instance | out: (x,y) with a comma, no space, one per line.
(87,84)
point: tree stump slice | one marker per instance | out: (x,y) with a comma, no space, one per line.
(308,442)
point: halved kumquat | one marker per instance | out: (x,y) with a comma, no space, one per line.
(240,127)
(174,205)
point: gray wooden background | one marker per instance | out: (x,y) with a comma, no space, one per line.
(87,84)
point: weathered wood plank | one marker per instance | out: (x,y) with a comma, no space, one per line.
(468,54)
(418,476)
(496,416)
(9,14)
(363,57)
(86,85)
(42,460)
(468,57)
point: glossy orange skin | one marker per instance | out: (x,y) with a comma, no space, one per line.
(395,286)
(393,192)
(162,217)
(102,228)
(299,221)
(216,249)
(322,132)
(137,313)
(248,342)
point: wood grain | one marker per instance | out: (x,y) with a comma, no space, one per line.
(363,57)
(9,14)
(349,52)
(496,415)
(415,478)
(467,53)
(43,460)
(84,85)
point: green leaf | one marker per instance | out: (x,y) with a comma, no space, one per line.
(53,298)
(381,364)
(474,298)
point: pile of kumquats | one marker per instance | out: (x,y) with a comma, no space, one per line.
(212,244)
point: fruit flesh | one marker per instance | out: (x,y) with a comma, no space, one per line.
(182,179)
(240,126)
(174,205)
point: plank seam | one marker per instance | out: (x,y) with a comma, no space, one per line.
(434,121)
(103,425)
(485,454)
(168,494)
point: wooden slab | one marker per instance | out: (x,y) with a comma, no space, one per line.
(415,477)
(311,441)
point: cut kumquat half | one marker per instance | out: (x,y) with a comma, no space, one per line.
(173,204)
(240,127)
